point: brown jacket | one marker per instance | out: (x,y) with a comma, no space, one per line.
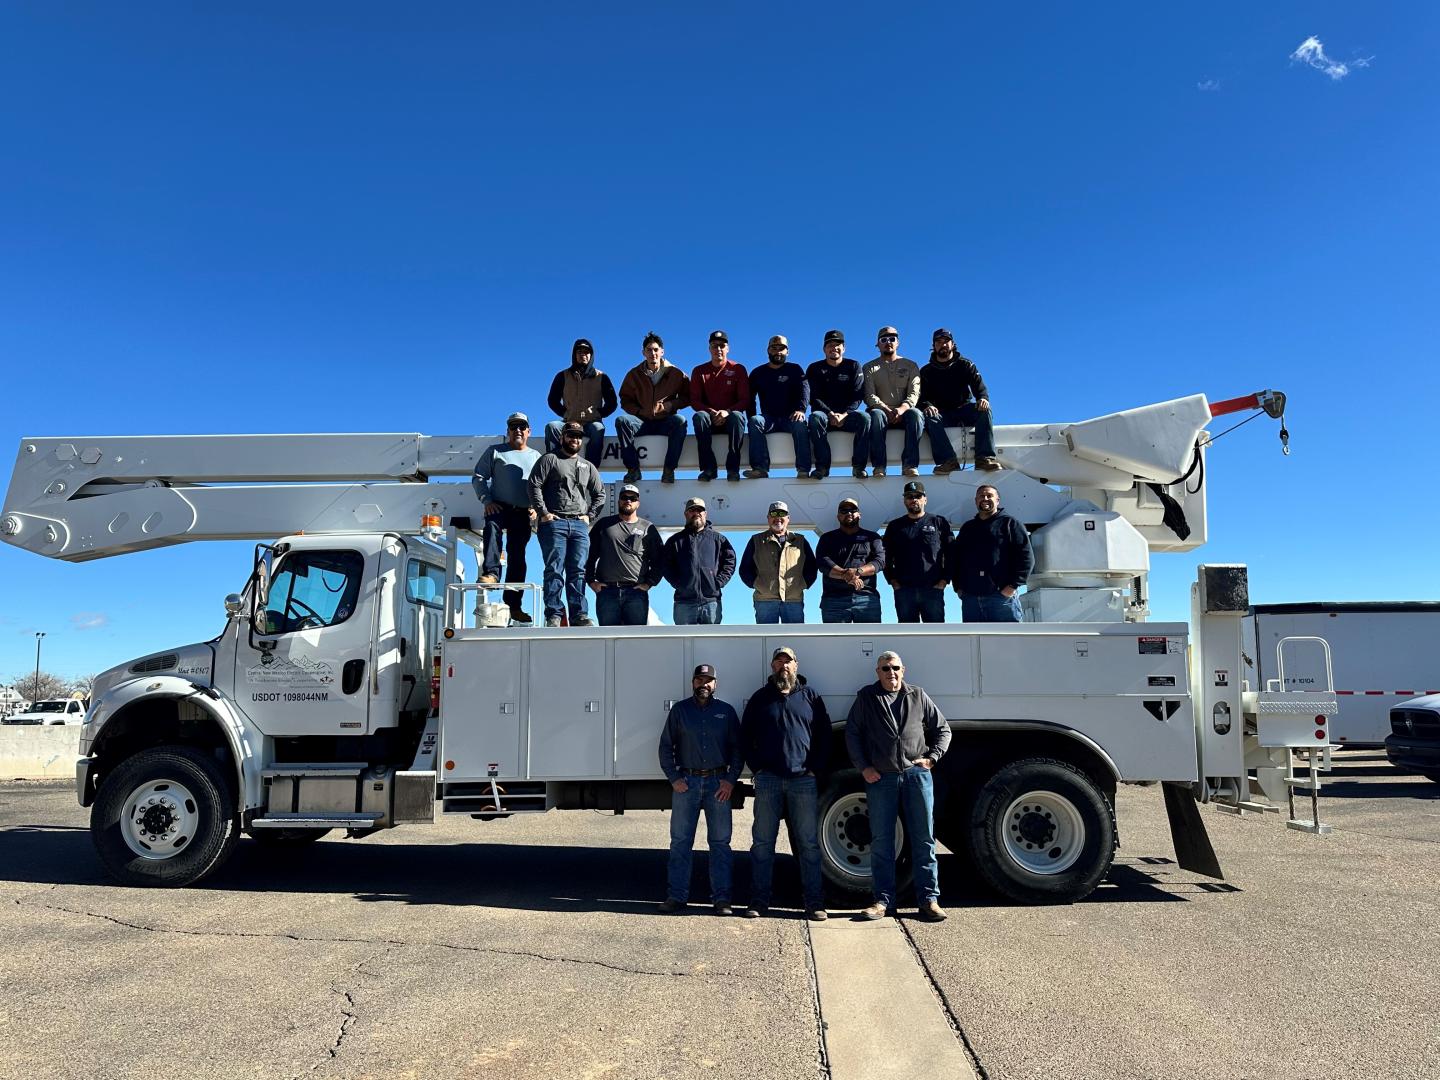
(638,394)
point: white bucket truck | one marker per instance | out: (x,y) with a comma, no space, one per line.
(349,689)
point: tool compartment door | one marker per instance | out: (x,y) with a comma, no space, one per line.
(567,714)
(482,705)
(649,673)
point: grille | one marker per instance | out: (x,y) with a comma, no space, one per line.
(1421,723)
(155,663)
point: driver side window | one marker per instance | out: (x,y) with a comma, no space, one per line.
(313,589)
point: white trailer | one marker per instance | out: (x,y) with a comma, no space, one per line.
(348,690)
(1384,652)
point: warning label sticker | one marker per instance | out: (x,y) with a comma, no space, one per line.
(1152,646)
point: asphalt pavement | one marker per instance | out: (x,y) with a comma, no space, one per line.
(533,948)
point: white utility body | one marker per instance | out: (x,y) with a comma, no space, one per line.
(349,689)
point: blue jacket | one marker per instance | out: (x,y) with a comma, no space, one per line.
(786,734)
(701,738)
(777,392)
(699,564)
(503,475)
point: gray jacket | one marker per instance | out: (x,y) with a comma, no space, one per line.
(874,739)
(566,486)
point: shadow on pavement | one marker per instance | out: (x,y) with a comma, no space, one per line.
(1409,788)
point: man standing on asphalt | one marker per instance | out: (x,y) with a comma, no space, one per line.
(698,563)
(720,395)
(895,736)
(989,561)
(781,396)
(892,392)
(583,395)
(837,403)
(785,736)
(917,546)
(501,480)
(626,562)
(849,558)
(946,385)
(700,756)
(566,496)
(652,394)
(779,565)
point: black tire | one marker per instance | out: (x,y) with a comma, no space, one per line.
(1042,832)
(286,837)
(845,838)
(184,797)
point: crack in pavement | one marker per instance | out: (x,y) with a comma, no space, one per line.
(939,993)
(395,942)
(822,1057)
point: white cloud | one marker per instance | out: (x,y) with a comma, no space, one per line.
(89,620)
(1208,85)
(1312,53)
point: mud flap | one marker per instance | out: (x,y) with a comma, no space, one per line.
(1193,850)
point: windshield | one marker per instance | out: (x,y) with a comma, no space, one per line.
(48,706)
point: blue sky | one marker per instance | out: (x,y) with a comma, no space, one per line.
(424,205)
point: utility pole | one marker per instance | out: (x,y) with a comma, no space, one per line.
(35,690)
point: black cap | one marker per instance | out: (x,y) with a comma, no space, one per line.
(914,487)
(834,335)
(706,671)
(572,428)
(718,335)
(582,343)
(942,335)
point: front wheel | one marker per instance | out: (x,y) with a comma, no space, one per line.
(1042,832)
(164,817)
(845,837)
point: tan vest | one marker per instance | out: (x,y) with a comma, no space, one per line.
(779,568)
(582,395)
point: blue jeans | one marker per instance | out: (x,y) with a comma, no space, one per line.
(919,603)
(760,426)
(565,544)
(779,611)
(622,605)
(912,422)
(696,612)
(995,608)
(911,793)
(685,810)
(861,607)
(798,801)
(509,529)
(734,427)
(629,428)
(968,415)
(594,439)
(856,422)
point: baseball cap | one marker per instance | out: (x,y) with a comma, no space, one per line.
(914,487)
(784,650)
(847,502)
(778,507)
(517,418)
(706,671)
(886,330)
(780,339)
(629,489)
(942,335)
(695,504)
(834,335)
(581,345)
(572,428)
(718,335)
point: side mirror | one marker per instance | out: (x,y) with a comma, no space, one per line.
(234,604)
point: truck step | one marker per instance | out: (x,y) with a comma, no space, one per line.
(327,769)
(316,821)
(478,797)
(1307,825)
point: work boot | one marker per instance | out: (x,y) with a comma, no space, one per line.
(878,472)
(671,906)
(632,476)
(754,912)
(909,470)
(708,475)
(873,912)
(947,467)
(819,474)
(724,909)
(488,579)
(732,475)
(858,472)
(581,620)
(521,617)
(756,474)
(931,911)
(668,476)
(989,464)
(552,621)
(818,914)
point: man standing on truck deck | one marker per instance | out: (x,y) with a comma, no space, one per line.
(837,403)
(917,547)
(895,735)
(652,394)
(849,558)
(720,396)
(698,563)
(626,561)
(785,735)
(892,394)
(780,395)
(700,756)
(990,559)
(779,565)
(583,395)
(946,385)
(501,480)
(566,496)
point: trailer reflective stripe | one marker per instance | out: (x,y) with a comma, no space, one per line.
(1383,693)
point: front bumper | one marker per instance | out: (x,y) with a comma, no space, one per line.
(1412,754)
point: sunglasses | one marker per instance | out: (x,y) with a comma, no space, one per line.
(891,667)
(519,427)
(629,498)
(889,337)
(913,495)
(848,510)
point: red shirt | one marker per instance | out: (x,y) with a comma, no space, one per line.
(714,388)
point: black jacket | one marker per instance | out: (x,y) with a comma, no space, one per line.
(699,564)
(786,734)
(849,551)
(949,386)
(876,742)
(988,555)
(917,550)
(837,389)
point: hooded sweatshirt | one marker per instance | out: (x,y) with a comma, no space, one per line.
(582,393)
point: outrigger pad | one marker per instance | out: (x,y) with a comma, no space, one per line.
(1193,850)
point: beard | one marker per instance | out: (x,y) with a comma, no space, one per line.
(785,682)
(704,694)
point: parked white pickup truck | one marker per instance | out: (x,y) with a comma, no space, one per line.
(52,711)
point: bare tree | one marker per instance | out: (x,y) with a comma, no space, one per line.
(49,686)
(82,684)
